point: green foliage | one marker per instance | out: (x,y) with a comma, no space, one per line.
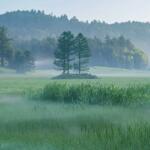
(88,93)
(42,26)
(72,49)
(117,52)
(140,59)
(36,125)
(65,51)
(111,54)
(22,84)
(21,61)
(82,52)
(5,48)
(40,49)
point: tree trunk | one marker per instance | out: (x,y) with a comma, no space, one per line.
(68,69)
(79,63)
(64,67)
(2,61)
(68,65)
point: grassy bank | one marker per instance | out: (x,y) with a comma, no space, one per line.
(98,91)
(18,85)
(37,125)
(92,93)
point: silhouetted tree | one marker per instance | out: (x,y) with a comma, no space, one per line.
(82,52)
(64,52)
(5,48)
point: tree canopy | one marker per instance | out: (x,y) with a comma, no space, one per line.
(65,51)
(117,52)
(22,61)
(82,52)
(5,48)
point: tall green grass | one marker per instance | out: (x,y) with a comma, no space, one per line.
(88,93)
(27,125)
(19,85)
(81,134)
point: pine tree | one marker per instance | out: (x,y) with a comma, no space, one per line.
(5,48)
(82,53)
(63,55)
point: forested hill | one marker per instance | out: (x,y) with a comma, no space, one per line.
(35,24)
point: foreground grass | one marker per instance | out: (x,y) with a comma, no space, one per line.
(42,125)
(31,125)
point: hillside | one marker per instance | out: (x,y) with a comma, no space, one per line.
(36,24)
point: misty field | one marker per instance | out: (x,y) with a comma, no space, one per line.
(29,121)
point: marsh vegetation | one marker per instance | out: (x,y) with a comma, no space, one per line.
(50,121)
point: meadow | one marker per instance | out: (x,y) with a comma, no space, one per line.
(29,121)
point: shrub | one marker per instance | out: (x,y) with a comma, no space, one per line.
(94,94)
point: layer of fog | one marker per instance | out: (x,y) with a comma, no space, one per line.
(23,109)
(45,68)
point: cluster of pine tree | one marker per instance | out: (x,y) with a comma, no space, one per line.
(72,53)
(21,61)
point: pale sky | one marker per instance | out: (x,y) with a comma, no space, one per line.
(103,10)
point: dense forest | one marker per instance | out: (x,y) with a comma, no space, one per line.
(112,52)
(37,33)
(36,24)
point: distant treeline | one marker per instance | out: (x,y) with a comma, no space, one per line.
(112,52)
(27,25)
